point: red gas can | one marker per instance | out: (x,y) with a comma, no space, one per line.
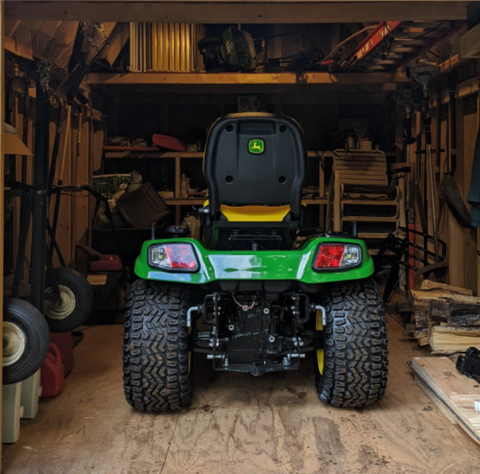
(52,373)
(64,342)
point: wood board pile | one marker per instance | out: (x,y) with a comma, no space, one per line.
(447,318)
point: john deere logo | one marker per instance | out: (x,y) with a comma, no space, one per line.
(256,146)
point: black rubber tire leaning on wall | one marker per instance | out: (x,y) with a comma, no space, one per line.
(77,298)
(26,340)
(355,346)
(156,373)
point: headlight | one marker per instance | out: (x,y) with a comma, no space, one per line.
(178,257)
(337,256)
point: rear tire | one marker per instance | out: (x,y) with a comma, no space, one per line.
(355,346)
(156,372)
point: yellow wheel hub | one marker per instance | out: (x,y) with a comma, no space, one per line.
(320,352)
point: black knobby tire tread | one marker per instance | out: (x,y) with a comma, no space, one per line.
(355,367)
(33,325)
(155,351)
(83,292)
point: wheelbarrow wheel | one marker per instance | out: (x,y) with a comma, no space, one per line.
(26,339)
(72,306)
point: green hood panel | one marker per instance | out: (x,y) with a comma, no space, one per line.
(255,265)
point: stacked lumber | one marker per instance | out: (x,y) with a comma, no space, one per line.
(447,318)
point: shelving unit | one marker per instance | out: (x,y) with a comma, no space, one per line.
(362,194)
(153,153)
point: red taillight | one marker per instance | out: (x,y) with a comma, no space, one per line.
(329,256)
(181,256)
(337,256)
(173,256)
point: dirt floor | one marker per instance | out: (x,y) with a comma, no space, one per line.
(237,424)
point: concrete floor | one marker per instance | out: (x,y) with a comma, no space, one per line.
(237,424)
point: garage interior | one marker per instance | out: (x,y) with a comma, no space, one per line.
(107,107)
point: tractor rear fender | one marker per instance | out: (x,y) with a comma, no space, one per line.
(214,265)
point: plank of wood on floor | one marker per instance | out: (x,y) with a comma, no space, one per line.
(452,391)
(237,424)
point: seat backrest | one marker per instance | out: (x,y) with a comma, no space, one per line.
(366,167)
(255,159)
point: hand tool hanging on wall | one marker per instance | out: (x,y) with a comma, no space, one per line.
(416,192)
(53,227)
(422,74)
(89,42)
(40,183)
(405,97)
(427,121)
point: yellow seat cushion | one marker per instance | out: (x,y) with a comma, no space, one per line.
(255,213)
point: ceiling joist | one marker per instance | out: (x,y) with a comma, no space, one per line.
(252,11)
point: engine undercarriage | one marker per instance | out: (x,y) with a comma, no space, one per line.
(251,332)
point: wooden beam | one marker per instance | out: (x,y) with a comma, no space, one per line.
(470,43)
(282,78)
(257,11)
(16,48)
(254,2)
(117,40)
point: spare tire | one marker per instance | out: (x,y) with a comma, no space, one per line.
(26,339)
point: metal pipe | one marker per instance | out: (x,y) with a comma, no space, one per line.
(320,308)
(40,181)
(432,198)
(191,310)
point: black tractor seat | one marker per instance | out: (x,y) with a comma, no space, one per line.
(255,169)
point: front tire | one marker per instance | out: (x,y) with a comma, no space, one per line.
(353,373)
(156,371)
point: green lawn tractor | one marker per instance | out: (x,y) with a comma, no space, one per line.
(248,296)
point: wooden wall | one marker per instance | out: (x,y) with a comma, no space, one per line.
(463,259)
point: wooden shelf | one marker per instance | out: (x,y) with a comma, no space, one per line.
(369,219)
(373,235)
(383,79)
(184,201)
(369,202)
(148,153)
(315,201)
